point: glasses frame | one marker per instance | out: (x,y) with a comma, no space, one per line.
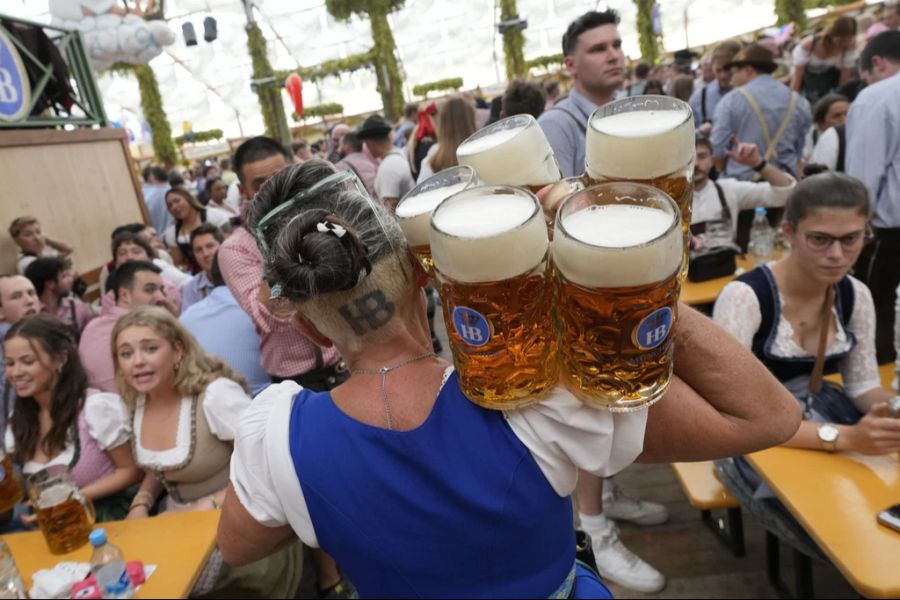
(846,245)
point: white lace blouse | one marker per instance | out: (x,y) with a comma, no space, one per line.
(561,433)
(223,403)
(737,310)
(107,421)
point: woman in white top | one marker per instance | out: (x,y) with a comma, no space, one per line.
(828,113)
(823,62)
(57,420)
(187,404)
(189,214)
(455,123)
(409,485)
(775,310)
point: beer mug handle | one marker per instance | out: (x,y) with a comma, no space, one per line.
(88,508)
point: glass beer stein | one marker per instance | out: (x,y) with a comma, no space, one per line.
(64,515)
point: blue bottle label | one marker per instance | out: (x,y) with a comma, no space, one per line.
(471,326)
(653,329)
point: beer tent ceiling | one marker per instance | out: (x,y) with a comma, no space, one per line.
(208,85)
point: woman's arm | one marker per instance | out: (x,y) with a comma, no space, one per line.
(65,250)
(721,402)
(875,433)
(125,474)
(242,539)
(146,497)
(797,77)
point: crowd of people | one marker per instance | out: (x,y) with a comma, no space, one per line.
(266,344)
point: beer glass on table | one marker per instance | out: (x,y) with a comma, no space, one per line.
(645,139)
(415,208)
(490,246)
(617,251)
(512,151)
(64,515)
(10,488)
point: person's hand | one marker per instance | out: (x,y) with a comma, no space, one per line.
(745,153)
(875,433)
(705,128)
(138,512)
(29,520)
(696,243)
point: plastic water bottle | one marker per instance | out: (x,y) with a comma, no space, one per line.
(762,238)
(108,567)
(11,584)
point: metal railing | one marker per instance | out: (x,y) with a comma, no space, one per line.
(86,109)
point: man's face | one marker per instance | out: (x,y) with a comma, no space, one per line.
(204,247)
(702,166)
(598,62)
(882,68)
(741,75)
(723,74)
(892,17)
(127,252)
(30,238)
(147,289)
(836,115)
(18,299)
(64,281)
(256,173)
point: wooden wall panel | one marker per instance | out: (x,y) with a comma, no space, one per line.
(79,184)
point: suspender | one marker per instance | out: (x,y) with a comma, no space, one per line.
(703,105)
(726,212)
(842,147)
(577,121)
(771,142)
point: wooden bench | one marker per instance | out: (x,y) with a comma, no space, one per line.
(704,491)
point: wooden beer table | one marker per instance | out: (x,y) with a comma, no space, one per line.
(179,544)
(706,292)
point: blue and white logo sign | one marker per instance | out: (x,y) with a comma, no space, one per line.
(471,326)
(653,329)
(15,90)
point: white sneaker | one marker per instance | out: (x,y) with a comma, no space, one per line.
(620,565)
(616,505)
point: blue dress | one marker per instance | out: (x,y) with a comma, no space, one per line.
(457,507)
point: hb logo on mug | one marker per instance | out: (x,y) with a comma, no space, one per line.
(653,329)
(471,326)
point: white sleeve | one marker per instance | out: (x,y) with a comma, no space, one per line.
(217,216)
(743,195)
(233,197)
(849,59)
(737,310)
(262,470)
(9,442)
(224,403)
(564,435)
(800,55)
(169,236)
(826,149)
(107,419)
(859,369)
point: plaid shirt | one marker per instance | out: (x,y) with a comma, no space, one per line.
(284,351)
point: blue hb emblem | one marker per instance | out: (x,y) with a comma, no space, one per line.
(15,90)
(653,329)
(471,326)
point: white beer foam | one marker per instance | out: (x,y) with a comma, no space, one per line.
(414,212)
(515,156)
(639,145)
(613,246)
(494,237)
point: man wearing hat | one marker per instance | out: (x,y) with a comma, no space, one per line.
(394,177)
(761,111)
(705,100)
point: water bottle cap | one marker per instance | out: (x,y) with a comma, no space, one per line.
(760,210)
(98,537)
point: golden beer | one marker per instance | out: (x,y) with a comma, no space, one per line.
(10,488)
(490,254)
(649,140)
(616,256)
(415,208)
(512,151)
(64,520)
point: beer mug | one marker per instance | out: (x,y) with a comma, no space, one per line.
(645,139)
(616,261)
(489,245)
(415,208)
(512,151)
(64,515)
(10,488)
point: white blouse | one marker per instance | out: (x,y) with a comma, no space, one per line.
(806,58)
(108,423)
(737,310)
(216,216)
(223,404)
(562,434)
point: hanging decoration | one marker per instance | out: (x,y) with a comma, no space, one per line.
(294,86)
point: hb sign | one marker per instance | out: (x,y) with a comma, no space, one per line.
(15,90)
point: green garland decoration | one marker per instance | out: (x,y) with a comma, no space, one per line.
(546,61)
(387,70)
(320,110)
(331,68)
(825,3)
(151,104)
(513,42)
(270,102)
(451,83)
(791,11)
(648,40)
(198,137)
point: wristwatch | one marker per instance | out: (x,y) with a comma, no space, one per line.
(828,434)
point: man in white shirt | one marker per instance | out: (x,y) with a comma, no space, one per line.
(394,177)
(724,198)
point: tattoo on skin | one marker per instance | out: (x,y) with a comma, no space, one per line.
(368,313)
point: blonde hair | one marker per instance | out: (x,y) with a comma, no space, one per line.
(455,123)
(20,223)
(197,368)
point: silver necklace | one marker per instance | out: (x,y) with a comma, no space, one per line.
(383,371)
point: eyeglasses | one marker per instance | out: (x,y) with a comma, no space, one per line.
(341,181)
(821,242)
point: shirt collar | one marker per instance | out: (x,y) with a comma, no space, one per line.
(584,105)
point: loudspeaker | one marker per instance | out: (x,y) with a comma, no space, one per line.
(190,36)
(209,29)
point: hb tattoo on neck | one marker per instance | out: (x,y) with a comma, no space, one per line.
(368,313)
